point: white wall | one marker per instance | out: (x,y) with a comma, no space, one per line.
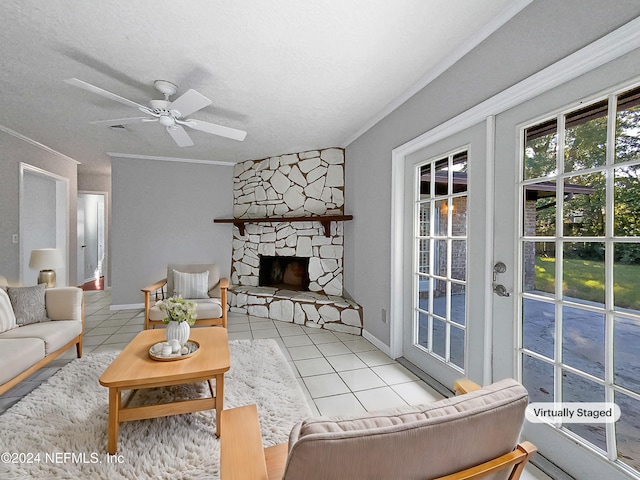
(540,35)
(163,213)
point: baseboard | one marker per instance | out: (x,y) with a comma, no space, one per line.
(381,346)
(130,306)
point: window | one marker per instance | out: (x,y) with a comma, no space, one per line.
(580,250)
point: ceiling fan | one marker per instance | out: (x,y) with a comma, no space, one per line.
(169,114)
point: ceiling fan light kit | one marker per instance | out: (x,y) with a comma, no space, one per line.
(168,114)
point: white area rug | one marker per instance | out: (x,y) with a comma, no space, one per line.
(65,421)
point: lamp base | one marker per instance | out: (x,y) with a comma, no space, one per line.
(48,277)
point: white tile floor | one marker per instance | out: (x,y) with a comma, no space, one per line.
(340,374)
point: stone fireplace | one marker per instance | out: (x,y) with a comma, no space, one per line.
(288,214)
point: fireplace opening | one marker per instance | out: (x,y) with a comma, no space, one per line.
(291,273)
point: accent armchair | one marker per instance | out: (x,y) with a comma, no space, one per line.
(200,283)
(468,436)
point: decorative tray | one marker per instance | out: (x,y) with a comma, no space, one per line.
(189,348)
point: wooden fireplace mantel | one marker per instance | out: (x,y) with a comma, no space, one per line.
(325,220)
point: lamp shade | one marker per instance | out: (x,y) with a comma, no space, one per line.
(45,259)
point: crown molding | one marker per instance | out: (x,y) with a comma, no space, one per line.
(170,159)
(503,17)
(39,145)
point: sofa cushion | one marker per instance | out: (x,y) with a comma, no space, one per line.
(435,439)
(191,285)
(16,355)
(28,304)
(205,308)
(54,334)
(7,318)
(213,269)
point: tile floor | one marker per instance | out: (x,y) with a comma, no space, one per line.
(340,374)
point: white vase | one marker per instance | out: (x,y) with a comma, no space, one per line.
(178,330)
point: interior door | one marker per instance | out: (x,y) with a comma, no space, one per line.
(444,246)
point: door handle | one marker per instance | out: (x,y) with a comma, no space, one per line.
(500,290)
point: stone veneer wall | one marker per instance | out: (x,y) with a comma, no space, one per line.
(294,185)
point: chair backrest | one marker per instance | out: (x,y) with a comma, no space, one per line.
(213,269)
(413,442)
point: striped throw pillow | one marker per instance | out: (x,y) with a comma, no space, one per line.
(7,317)
(191,285)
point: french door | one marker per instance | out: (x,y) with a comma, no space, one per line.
(566,228)
(444,245)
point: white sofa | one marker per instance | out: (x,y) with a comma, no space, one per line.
(25,349)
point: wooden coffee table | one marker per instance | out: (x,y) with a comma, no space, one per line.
(133,369)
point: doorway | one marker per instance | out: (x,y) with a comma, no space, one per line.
(44,213)
(92,251)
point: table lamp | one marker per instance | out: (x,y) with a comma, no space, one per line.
(46,259)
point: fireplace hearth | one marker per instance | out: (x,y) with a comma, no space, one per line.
(284,272)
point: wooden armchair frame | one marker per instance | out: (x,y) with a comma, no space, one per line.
(242,456)
(160,284)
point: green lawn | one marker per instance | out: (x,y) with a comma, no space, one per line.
(584,279)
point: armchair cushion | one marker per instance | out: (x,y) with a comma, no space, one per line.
(214,274)
(28,304)
(191,285)
(483,424)
(205,308)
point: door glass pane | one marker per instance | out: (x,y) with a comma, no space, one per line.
(440,259)
(459,216)
(626,276)
(458,303)
(540,149)
(459,167)
(583,278)
(583,340)
(626,339)
(584,205)
(585,138)
(423,255)
(626,193)
(539,209)
(439,334)
(539,268)
(441,225)
(457,346)
(628,430)
(440,299)
(441,171)
(576,388)
(537,378)
(423,330)
(424,220)
(459,259)
(538,327)
(424,182)
(627,132)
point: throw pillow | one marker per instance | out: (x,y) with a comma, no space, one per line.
(28,304)
(191,285)
(7,318)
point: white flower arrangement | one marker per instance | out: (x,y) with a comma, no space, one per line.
(178,310)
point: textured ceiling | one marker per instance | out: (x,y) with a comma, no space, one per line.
(296,75)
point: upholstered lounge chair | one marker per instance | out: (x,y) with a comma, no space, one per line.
(469,436)
(211,307)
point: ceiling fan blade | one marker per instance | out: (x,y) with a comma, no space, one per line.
(93,89)
(189,102)
(180,136)
(215,129)
(124,121)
